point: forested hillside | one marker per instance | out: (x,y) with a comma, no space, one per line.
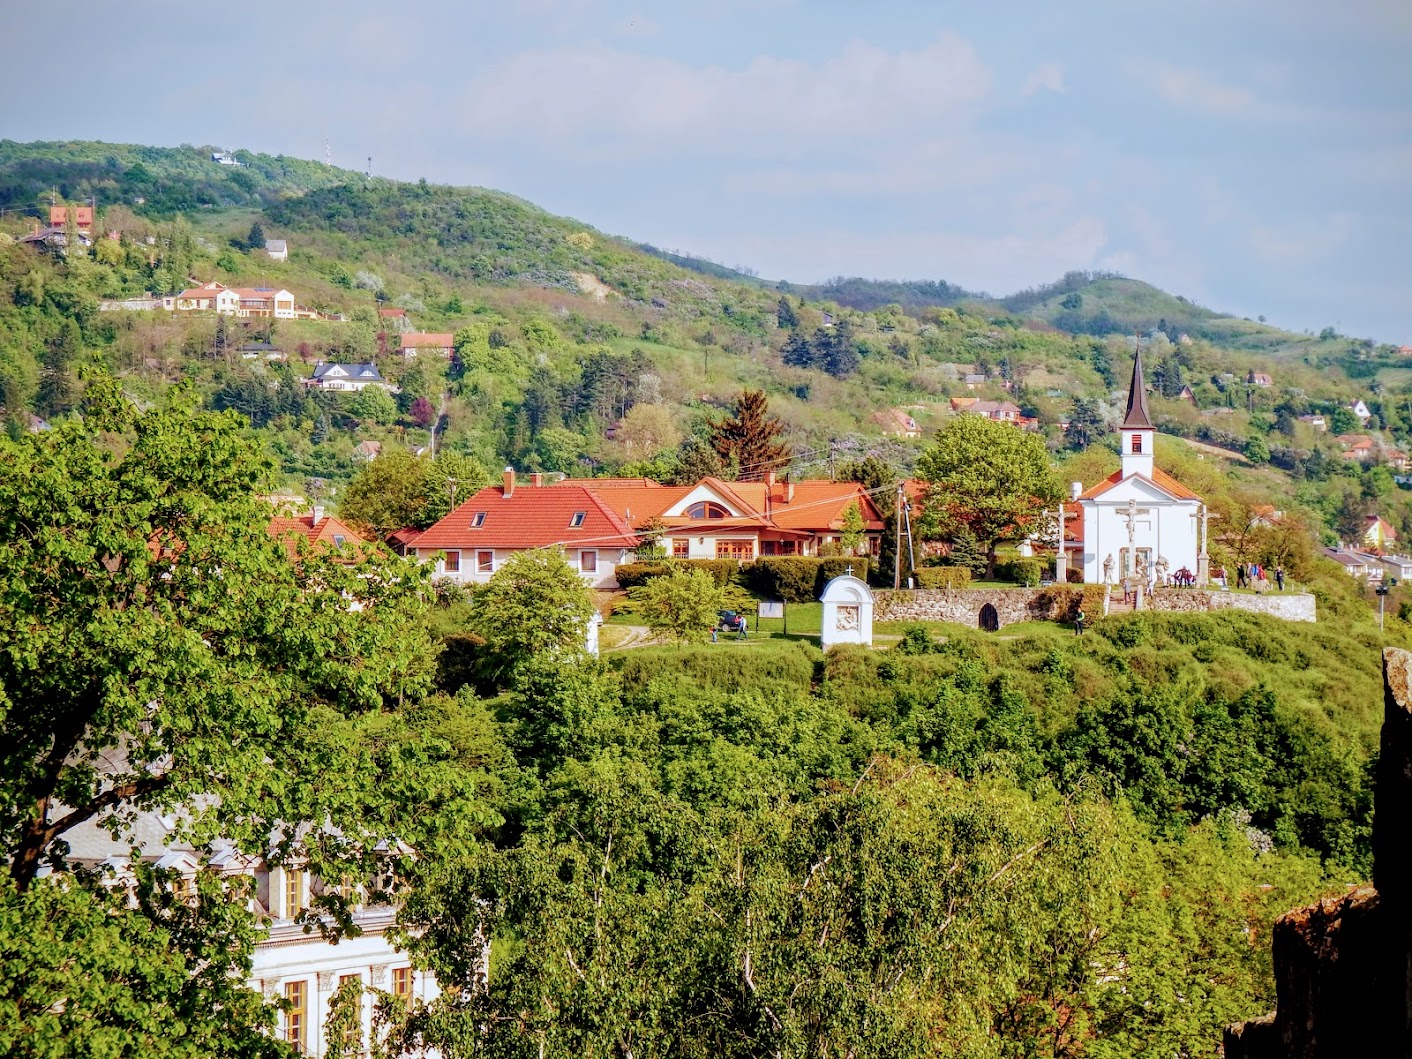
(584,353)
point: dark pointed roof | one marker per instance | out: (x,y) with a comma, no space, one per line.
(1137,417)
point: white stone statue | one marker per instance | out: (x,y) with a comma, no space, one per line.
(1108,569)
(1162,567)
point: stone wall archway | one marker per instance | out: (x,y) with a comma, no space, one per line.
(989,620)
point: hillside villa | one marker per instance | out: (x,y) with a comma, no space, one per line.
(413,342)
(601,522)
(233,301)
(331,376)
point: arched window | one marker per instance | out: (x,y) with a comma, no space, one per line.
(706,509)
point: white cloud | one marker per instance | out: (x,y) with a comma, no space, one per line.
(1048,77)
(609,99)
(1195,90)
(1305,243)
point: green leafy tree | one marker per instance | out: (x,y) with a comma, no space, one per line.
(751,438)
(681,603)
(988,477)
(373,404)
(85,972)
(1257,450)
(535,605)
(144,605)
(1343,421)
(697,460)
(853,529)
(388,494)
(57,391)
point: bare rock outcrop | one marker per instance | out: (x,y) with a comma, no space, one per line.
(1342,966)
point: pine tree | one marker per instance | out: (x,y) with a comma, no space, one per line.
(798,352)
(966,551)
(785,314)
(56,386)
(750,437)
(256,239)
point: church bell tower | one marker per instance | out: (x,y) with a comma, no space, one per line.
(1137,429)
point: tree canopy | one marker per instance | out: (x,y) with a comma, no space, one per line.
(988,477)
(750,438)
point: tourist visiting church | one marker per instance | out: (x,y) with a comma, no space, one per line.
(1140,526)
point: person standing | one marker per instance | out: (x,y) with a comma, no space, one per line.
(1079,619)
(1280,577)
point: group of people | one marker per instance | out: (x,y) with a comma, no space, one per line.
(1256,576)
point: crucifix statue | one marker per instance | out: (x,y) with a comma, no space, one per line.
(1130,513)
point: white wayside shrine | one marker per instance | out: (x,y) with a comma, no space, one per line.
(848,612)
(1140,525)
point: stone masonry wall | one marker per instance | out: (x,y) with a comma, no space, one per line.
(1290,606)
(964,606)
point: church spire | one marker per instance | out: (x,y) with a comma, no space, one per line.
(1137,417)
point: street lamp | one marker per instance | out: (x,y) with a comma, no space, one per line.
(1382,591)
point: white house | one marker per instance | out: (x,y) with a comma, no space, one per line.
(278,249)
(1140,520)
(481,534)
(288,964)
(347,377)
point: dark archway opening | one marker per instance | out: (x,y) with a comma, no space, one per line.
(990,620)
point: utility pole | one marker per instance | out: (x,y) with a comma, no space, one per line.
(897,547)
(831,474)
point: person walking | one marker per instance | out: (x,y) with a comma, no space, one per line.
(1280,577)
(1240,575)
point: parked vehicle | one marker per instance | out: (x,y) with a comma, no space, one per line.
(730,621)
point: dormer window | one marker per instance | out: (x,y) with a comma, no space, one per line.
(577,520)
(478,520)
(706,509)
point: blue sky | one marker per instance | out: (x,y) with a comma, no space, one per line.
(1253,155)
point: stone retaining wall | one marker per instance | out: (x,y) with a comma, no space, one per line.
(1009,605)
(965,606)
(1291,606)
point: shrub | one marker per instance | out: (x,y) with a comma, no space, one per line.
(831,568)
(946,577)
(1020,571)
(634,575)
(787,577)
(721,570)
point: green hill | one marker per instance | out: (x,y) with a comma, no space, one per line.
(564,330)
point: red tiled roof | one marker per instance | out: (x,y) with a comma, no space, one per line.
(392,312)
(1159,478)
(816,505)
(427,338)
(531,517)
(291,529)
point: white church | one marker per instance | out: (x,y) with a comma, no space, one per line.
(1140,524)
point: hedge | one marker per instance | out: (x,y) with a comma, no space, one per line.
(631,575)
(799,578)
(943,577)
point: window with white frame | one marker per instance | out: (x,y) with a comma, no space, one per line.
(577,519)
(485,562)
(478,520)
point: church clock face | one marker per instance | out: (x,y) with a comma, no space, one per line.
(846,620)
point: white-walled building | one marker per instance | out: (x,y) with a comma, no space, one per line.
(288,963)
(1140,520)
(481,534)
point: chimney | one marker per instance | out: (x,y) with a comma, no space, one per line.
(509,482)
(1075,490)
(318,513)
(536,479)
(769,480)
(788,491)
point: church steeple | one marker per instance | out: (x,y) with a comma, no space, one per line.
(1137,428)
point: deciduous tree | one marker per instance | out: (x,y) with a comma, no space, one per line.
(989,477)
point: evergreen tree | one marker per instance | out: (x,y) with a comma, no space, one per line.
(256,239)
(966,551)
(697,460)
(785,314)
(1086,425)
(56,386)
(750,437)
(840,350)
(797,352)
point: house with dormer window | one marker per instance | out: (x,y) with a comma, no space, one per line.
(347,377)
(477,538)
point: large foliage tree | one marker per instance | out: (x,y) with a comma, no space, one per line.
(535,605)
(400,489)
(988,477)
(681,603)
(160,651)
(751,438)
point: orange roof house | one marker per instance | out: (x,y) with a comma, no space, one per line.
(317,530)
(414,342)
(481,534)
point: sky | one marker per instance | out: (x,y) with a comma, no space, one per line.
(1252,155)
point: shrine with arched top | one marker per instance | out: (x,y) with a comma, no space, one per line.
(848,612)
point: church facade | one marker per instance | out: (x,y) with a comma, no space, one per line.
(1140,523)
